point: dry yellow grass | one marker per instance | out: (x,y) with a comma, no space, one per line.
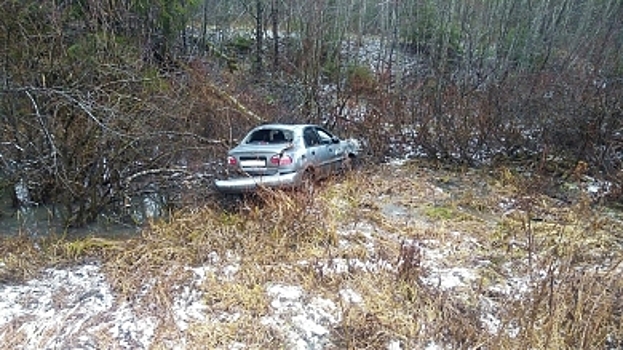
(529,271)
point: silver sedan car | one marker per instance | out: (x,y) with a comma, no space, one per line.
(285,156)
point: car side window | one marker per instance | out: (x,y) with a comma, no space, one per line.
(325,137)
(310,137)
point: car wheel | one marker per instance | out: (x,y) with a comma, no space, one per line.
(308,181)
(350,163)
(230,202)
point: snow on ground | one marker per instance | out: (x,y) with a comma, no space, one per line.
(305,321)
(69,308)
(75,307)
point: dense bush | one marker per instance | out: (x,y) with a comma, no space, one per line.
(99,102)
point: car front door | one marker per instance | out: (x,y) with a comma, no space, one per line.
(331,151)
(317,151)
(312,146)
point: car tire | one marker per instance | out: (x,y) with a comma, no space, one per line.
(230,202)
(308,181)
(351,162)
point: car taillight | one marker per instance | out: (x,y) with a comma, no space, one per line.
(280,160)
(231,160)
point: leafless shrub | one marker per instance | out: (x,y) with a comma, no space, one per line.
(409,263)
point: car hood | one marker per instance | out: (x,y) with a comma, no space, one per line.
(353,144)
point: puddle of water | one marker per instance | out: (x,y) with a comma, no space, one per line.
(36,222)
(40,221)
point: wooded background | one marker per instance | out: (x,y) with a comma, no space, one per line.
(97,97)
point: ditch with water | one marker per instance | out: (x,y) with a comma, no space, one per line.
(36,220)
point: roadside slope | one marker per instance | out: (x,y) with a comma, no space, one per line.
(394,256)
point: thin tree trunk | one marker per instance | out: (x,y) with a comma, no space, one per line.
(259,35)
(204,27)
(275,22)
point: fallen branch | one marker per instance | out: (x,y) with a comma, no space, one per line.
(198,69)
(232,100)
(134,176)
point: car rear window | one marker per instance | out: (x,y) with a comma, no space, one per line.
(270,136)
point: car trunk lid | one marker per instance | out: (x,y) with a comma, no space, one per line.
(255,159)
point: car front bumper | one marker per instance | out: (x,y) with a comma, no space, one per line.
(252,183)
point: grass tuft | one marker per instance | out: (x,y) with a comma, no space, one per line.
(410,255)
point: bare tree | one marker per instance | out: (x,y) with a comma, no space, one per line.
(259,34)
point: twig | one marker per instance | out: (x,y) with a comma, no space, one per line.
(45,130)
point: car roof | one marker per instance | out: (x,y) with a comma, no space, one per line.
(283,126)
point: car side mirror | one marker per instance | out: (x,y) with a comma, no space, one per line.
(335,139)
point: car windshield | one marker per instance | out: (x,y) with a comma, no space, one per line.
(270,136)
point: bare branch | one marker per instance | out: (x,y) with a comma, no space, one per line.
(45,130)
(134,176)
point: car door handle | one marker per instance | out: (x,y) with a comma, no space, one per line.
(313,153)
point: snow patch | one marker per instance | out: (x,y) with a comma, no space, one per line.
(350,296)
(70,308)
(305,322)
(76,308)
